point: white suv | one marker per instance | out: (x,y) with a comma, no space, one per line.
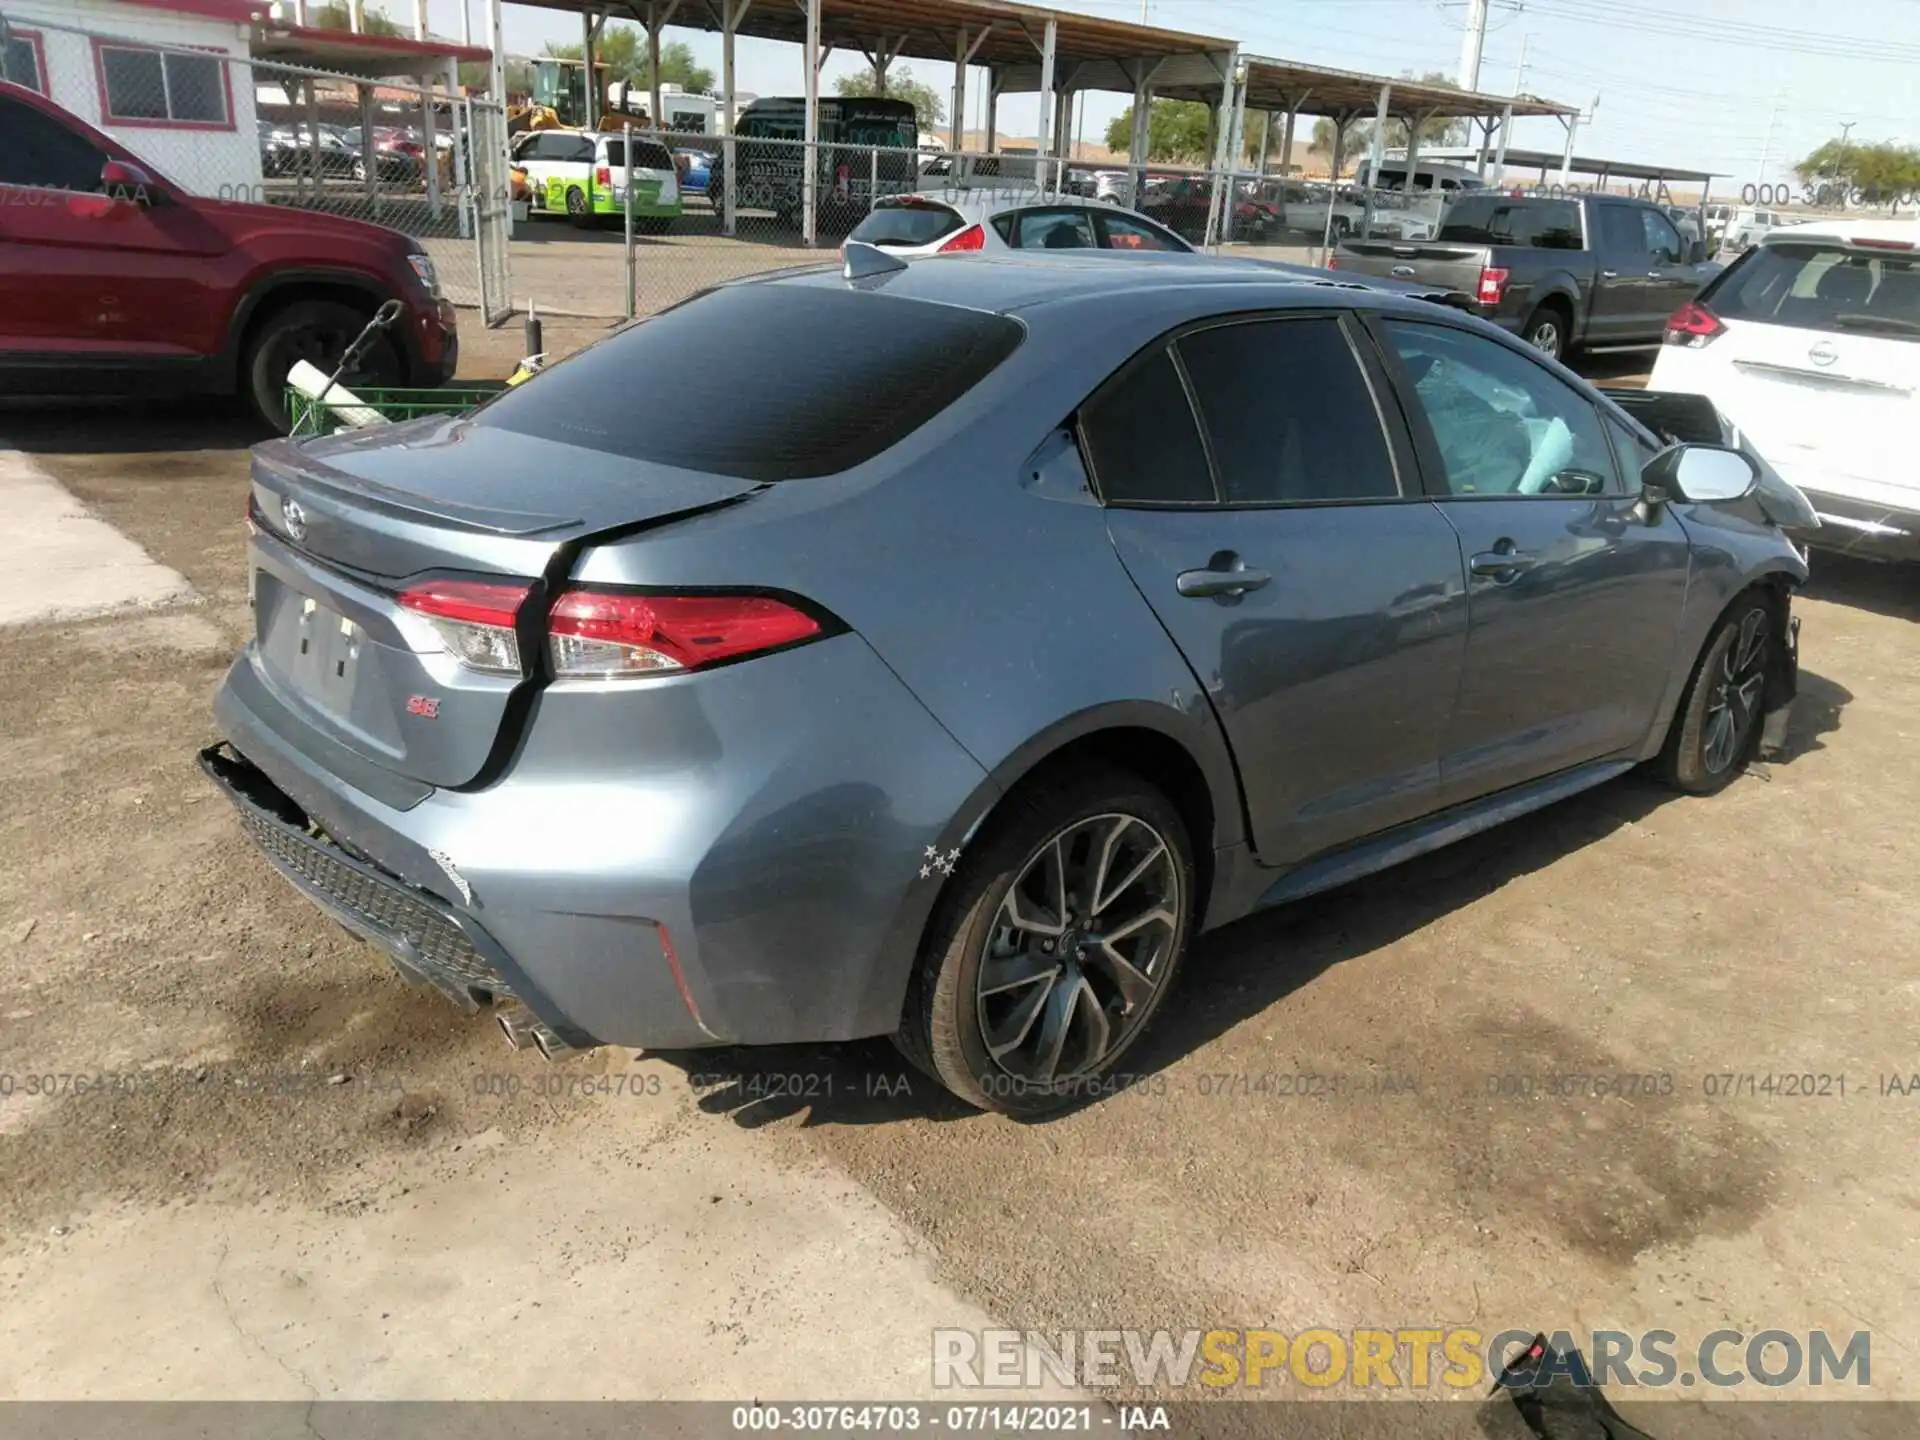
(1810,344)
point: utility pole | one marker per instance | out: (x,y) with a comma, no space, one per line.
(1472,43)
(1520,74)
(1766,148)
(1846,191)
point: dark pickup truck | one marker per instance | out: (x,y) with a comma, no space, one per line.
(1597,272)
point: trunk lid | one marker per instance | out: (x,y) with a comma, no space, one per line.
(1441,266)
(1830,408)
(346,523)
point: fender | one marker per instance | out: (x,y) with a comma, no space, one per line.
(1198,736)
(274,281)
(1561,285)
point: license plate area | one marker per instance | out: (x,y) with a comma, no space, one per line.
(314,649)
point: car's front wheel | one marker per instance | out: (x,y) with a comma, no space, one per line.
(1056,941)
(318,332)
(1717,727)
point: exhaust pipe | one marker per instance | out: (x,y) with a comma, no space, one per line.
(523,1028)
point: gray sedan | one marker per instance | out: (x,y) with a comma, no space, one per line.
(1019,619)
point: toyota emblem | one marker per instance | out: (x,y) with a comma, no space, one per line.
(295,517)
(1823,354)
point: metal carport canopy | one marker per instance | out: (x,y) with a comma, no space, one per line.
(997,33)
(1287,85)
(1581,165)
(1073,51)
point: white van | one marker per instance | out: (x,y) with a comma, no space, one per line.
(582,174)
(1449,180)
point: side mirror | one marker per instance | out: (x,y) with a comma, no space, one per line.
(1699,474)
(1696,252)
(127,183)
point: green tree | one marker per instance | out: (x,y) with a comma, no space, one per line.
(623,50)
(336,15)
(1877,168)
(1176,131)
(927,104)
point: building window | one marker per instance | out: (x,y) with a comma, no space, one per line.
(163,87)
(27,61)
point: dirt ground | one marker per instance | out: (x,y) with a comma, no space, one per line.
(300,1178)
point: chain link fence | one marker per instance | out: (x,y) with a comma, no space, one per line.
(708,209)
(421,159)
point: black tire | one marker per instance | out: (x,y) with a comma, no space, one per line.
(360,170)
(578,210)
(1342,228)
(1717,727)
(318,331)
(942,1028)
(1548,330)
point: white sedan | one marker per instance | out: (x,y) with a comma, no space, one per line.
(1810,344)
(955,221)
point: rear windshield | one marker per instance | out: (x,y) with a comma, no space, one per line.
(1503,220)
(646,155)
(906,224)
(1817,286)
(824,380)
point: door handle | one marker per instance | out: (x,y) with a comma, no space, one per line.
(1503,563)
(1224,577)
(1609,274)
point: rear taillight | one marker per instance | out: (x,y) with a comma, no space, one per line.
(603,176)
(607,634)
(1863,244)
(475,619)
(1694,326)
(1493,284)
(971,238)
(1333,262)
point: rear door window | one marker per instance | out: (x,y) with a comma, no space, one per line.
(1824,286)
(1621,230)
(1054,230)
(1288,412)
(1141,440)
(907,225)
(836,377)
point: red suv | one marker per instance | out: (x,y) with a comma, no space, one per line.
(113,279)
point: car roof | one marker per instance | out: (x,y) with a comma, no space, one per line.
(983,202)
(1844,230)
(1011,281)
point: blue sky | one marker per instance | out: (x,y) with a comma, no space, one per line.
(1688,83)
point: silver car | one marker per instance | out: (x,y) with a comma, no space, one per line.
(1016,620)
(946,222)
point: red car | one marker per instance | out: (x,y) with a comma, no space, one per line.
(115,280)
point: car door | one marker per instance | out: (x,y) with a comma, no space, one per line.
(1264,503)
(1623,309)
(1672,275)
(86,273)
(1575,590)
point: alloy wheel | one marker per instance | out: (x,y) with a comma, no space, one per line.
(1080,945)
(1734,703)
(1546,338)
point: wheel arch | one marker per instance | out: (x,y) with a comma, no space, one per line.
(290,287)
